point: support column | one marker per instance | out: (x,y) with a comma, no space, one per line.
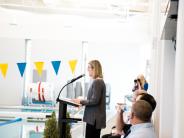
(179,75)
(155,78)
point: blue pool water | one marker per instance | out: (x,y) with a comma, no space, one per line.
(11,130)
(19,128)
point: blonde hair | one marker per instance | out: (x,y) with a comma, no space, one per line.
(96,66)
(142,80)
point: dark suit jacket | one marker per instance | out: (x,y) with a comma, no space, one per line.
(95,110)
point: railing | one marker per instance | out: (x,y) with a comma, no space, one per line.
(11,121)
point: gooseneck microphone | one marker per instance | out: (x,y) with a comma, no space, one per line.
(74,79)
(77,78)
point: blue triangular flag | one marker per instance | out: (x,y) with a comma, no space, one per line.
(56,65)
(21,67)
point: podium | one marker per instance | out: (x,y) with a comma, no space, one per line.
(63,118)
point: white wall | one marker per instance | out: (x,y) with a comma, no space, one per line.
(121,63)
(12,51)
(51,50)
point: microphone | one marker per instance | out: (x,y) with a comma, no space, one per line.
(74,79)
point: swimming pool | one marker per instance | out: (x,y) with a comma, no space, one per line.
(23,122)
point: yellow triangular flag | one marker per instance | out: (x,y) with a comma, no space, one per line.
(72,64)
(39,67)
(4,68)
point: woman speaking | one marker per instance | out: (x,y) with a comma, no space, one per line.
(95,104)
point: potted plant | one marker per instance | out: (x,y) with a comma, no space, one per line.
(51,127)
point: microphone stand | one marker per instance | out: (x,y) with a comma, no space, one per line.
(74,79)
(62,114)
(62,120)
(57,100)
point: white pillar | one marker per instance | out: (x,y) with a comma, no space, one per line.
(179,75)
(156,63)
(167,88)
(27,80)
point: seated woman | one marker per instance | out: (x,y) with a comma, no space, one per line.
(140,83)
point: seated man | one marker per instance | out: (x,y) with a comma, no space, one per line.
(121,127)
(140,120)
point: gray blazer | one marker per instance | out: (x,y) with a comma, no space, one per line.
(95,110)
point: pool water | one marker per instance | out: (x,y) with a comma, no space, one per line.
(19,128)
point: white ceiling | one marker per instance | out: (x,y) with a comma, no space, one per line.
(102,8)
(114,20)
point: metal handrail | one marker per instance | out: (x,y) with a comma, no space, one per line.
(11,121)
